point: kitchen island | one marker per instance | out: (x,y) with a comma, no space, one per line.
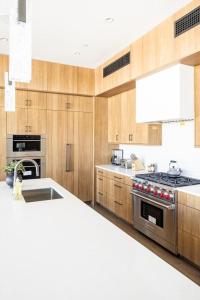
(62,249)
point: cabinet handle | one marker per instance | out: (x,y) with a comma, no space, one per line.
(100,179)
(69,158)
(101,172)
(101,194)
(29,102)
(26,128)
(117,136)
(130,137)
(67,105)
(118,177)
(118,186)
(29,127)
(118,203)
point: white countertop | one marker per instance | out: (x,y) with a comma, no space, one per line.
(64,250)
(192,189)
(119,170)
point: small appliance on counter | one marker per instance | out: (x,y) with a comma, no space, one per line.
(126,163)
(151,168)
(117,155)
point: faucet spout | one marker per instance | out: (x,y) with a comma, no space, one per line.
(22,160)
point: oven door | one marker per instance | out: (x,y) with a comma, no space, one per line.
(155,219)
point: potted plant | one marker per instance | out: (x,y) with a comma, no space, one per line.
(9,169)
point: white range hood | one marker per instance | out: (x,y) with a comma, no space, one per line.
(166,96)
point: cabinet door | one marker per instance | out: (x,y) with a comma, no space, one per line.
(71,103)
(21,99)
(197,106)
(2,123)
(37,121)
(86,104)
(149,52)
(55,102)
(3,69)
(39,77)
(17,121)
(127,116)
(56,145)
(37,100)
(2,94)
(62,78)
(2,157)
(114,119)
(85,81)
(85,157)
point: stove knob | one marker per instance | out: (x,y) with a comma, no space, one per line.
(155,192)
(166,196)
(148,190)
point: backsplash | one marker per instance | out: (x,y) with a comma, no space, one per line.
(178,144)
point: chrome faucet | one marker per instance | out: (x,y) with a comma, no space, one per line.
(22,160)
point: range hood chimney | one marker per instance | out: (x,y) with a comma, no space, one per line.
(166,96)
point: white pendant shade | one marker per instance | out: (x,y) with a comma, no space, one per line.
(20,44)
(9,94)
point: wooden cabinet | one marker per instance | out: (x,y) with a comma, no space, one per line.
(197,105)
(2,156)
(39,77)
(86,82)
(114,119)
(85,156)
(136,58)
(117,78)
(122,126)
(1,97)
(3,69)
(62,78)
(30,114)
(113,192)
(2,123)
(189,227)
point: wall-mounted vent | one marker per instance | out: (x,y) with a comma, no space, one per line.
(116,65)
(187,22)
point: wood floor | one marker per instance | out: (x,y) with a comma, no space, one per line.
(178,263)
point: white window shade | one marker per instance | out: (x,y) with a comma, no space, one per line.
(20,44)
(9,94)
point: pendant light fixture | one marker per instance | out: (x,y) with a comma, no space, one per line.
(20,41)
(9,94)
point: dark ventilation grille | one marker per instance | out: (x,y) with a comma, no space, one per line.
(116,65)
(187,22)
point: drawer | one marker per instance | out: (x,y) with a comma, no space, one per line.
(189,200)
(100,172)
(118,177)
(119,192)
(100,181)
(100,197)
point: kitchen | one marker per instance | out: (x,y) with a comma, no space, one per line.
(64,124)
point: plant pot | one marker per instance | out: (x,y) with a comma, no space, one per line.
(10,179)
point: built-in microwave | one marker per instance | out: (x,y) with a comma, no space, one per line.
(26,145)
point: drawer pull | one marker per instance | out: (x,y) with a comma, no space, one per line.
(100,179)
(101,194)
(118,186)
(118,203)
(118,177)
(101,172)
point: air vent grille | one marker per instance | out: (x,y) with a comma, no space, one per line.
(187,22)
(116,65)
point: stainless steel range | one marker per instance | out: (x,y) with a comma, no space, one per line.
(155,206)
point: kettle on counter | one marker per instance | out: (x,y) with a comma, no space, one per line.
(174,169)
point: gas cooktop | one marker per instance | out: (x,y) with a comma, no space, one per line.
(166,179)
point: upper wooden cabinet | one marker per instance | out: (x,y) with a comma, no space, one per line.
(3,69)
(122,126)
(114,119)
(2,97)
(115,79)
(62,78)
(39,77)
(136,59)
(197,105)
(187,43)
(34,100)
(85,84)
(2,123)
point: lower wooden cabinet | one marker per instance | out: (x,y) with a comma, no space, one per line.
(189,227)
(2,158)
(113,194)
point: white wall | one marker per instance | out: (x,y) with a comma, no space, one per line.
(178,144)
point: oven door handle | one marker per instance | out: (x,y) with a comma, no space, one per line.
(170,207)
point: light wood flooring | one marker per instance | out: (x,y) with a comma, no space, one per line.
(177,262)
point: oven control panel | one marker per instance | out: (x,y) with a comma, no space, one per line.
(157,191)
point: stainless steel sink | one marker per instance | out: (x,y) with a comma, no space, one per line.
(40,195)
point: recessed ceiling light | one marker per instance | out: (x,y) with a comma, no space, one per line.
(77,53)
(109,20)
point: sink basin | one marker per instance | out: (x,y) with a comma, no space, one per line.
(40,195)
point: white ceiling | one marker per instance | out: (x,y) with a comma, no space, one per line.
(63,27)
